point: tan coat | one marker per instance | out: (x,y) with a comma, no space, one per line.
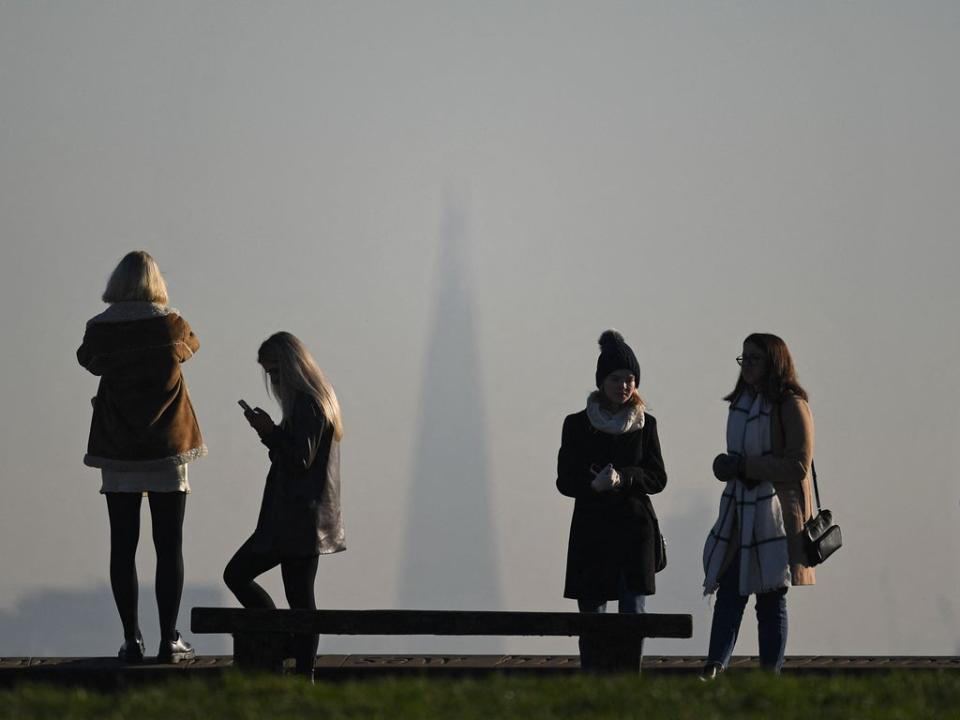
(142,415)
(788,469)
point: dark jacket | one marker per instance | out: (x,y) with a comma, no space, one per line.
(142,415)
(612,533)
(300,512)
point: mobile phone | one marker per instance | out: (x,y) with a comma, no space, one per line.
(243,404)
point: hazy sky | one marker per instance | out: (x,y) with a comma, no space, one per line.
(448,202)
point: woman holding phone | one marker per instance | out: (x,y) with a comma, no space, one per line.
(300,513)
(610,462)
(143,434)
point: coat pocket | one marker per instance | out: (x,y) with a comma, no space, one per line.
(643,509)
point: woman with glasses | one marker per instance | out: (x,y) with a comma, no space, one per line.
(143,434)
(756,545)
(610,462)
(300,512)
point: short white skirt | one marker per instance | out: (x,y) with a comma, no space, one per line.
(172,479)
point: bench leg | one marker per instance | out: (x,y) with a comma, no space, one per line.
(258,652)
(628,655)
(609,654)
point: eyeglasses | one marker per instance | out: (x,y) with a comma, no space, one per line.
(749,360)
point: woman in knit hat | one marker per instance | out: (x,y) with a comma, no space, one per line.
(610,462)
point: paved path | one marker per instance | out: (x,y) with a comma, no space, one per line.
(108,673)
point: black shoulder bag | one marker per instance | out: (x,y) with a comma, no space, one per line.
(821,538)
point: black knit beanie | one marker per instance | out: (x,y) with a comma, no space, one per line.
(615,354)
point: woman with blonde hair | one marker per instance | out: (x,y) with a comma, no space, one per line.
(300,512)
(143,433)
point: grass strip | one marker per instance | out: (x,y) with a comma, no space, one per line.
(895,696)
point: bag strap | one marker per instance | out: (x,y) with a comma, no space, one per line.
(813,465)
(816,490)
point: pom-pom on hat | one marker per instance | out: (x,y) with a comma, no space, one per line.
(615,354)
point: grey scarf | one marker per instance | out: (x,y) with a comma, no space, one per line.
(627,419)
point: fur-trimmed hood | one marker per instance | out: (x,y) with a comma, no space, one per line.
(129,311)
(142,414)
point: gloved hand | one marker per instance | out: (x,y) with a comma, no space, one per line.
(605,480)
(727,467)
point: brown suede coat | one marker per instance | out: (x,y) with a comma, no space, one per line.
(142,415)
(788,469)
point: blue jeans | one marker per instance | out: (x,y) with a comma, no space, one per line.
(728,612)
(628,602)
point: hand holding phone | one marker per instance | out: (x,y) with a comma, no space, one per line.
(259,419)
(607,479)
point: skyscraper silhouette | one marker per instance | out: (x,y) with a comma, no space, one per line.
(450,544)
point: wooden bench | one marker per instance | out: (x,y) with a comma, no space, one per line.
(259,635)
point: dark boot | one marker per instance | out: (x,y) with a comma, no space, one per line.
(132,650)
(174,651)
(711,671)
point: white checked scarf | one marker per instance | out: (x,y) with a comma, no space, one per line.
(764,562)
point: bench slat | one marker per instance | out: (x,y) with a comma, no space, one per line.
(437,622)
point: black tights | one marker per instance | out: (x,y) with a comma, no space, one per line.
(299,576)
(166,513)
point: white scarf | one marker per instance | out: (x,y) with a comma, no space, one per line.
(764,560)
(626,419)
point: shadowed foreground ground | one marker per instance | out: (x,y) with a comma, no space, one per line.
(748,694)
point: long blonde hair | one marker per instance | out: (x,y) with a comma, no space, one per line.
(299,372)
(136,278)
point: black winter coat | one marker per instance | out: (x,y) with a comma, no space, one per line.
(300,512)
(612,533)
